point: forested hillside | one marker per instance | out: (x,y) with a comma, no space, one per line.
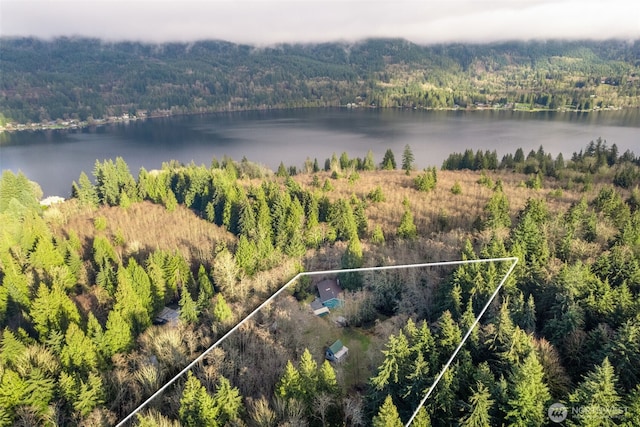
(82,284)
(88,80)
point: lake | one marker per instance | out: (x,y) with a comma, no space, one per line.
(55,158)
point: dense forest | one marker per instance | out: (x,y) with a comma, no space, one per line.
(82,284)
(87,80)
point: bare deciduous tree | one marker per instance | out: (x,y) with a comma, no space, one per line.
(353,412)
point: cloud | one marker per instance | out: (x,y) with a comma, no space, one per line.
(266,21)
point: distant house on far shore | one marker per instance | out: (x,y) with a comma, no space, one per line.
(337,352)
(51,200)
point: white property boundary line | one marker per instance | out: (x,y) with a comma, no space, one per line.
(473,325)
(321,272)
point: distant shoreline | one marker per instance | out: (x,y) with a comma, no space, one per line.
(77,124)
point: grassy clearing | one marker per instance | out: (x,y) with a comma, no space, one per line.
(145,227)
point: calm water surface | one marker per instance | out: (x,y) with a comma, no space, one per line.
(55,158)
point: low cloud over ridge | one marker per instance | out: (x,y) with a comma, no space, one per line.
(263,22)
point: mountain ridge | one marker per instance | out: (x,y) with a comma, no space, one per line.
(89,80)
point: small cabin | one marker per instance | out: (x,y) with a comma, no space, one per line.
(330,293)
(318,308)
(167,315)
(337,352)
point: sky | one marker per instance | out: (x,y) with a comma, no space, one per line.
(266,22)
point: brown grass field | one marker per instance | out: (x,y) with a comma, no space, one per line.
(444,220)
(145,227)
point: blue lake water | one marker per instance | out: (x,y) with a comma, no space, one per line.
(55,158)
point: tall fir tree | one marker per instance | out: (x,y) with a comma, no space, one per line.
(197,407)
(221,311)
(229,402)
(289,386)
(528,395)
(407,228)
(407,159)
(597,392)
(352,258)
(480,408)
(387,415)
(388,161)
(308,369)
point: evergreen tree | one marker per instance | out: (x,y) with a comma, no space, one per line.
(91,394)
(598,391)
(78,353)
(327,381)
(352,258)
(228,401)
(221,311)
(118,336)
(205,286)
(141,285)
(376,195)
(282,171)
(84,191)
(133,298)
(368,163)
(528,319)
(480,407)
(497,211)
(344,161)
(295,245)
(632,413)
(18,191)
(308,369)
(427,180)
(529,395)
(456,188)
(625,353)
(407,159)
(448,335)
(342,220)
(377,236)
(359,215)
(169,201)
(393,370)
(334,164)
(418,379)
(52,311)
(422,419)
(156,271)
(30,382)
(504,330)
(10,348)
(246,255)
(407,228)
(188,307)
(197,407)
(388,161)
(387,415)
(247,224)
(289,386)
